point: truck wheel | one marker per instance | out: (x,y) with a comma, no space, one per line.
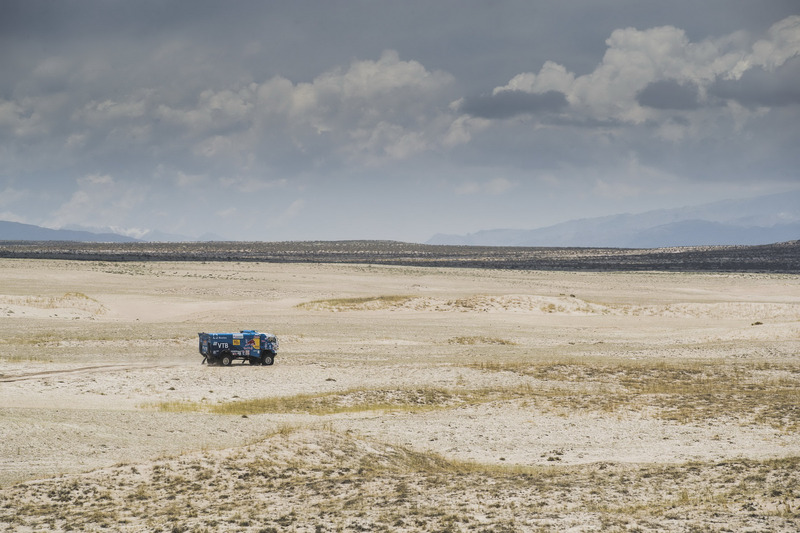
(226,360)
(267,359)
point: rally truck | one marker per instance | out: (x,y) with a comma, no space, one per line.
(247,345)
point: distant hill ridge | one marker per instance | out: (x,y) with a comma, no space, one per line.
(15,231)
(761,220)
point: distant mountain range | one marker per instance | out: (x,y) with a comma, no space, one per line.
(15,231)
(761,220)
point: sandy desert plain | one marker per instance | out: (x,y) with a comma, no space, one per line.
(403,398)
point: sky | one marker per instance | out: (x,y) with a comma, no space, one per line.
(378,119)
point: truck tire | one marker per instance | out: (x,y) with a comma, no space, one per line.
(267,358)
(226,360)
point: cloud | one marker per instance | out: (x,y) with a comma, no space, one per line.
(499,186)
(109,114)
(782,43)
(760,86)
(213,113)
(9,216)
(294,209)
(669,94)
(510,103)
(493,187)
(365,113)
(645,72)
(11,196)
(98,199)
(250,184)
(652,86)
(469,187)
(187,181)
(228,213)
(551,77)
(386,109)
(96,180)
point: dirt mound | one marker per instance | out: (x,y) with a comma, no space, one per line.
(71,304)
(557,305)
(476,303)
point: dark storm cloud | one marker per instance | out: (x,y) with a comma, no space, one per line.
(479,42)
(194,99)
(507,104)
(669,94)
(759,87)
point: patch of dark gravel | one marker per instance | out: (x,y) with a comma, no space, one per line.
(775,258)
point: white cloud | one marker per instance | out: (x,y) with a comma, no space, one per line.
(369,112)
(551,77)
(636,58)
(186,181)
(216,146)
(13,217)
(53,67)
(492,187)
(294,209)
(26,118)
(461,130)
(9,113)
(106,110)
(10,197)
(498,186)
(372,111)
(469,187)
(634,180)
(227,213)
(93,180)
(76,141)
(783,43)
(368,80)
(374,144)
(163,131)
(249,184)
(136,233)
(213,111)
(98,200)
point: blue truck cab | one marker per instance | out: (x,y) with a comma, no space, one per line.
(248,345)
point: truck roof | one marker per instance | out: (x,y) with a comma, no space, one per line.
(241,332)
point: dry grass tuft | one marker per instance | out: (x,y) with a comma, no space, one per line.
(356,304)
(69,300)
(683,391)
(480,339)
(352,401)
(317,480)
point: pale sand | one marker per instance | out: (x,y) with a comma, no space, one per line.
(87,349)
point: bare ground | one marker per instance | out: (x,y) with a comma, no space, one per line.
(403,399)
